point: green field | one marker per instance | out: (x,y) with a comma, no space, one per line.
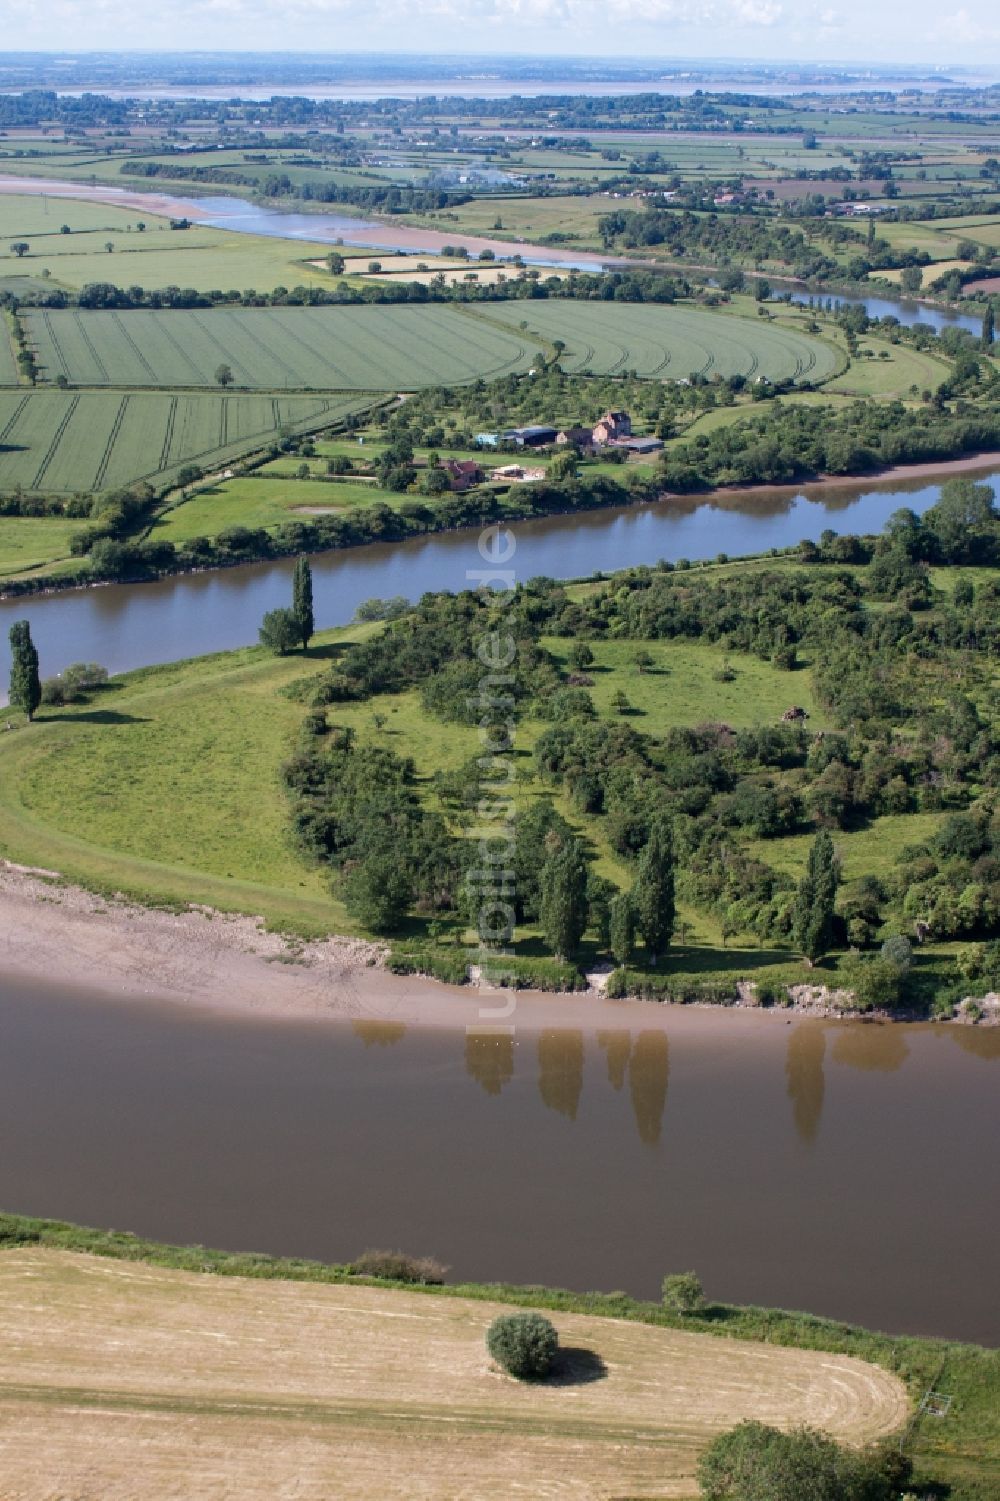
(27,542)
(668,342)
(73,442)
(892,371)
(404,347)
(201,257)
(285,348)
(262,501)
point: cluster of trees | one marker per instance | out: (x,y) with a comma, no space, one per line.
(794,442)
(715,237)
(380,197)
(899,665)
(518,284)
(755,1462)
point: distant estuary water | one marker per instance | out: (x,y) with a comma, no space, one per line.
(845,1168)
(137,625)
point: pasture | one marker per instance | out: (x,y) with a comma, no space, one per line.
(309,1390)
(263,500)
(368,348)
(200,257)
(26,542)
(76,442)
(668,342)
(404,347)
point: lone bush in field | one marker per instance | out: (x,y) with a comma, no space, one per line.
(524,1344)
(683,1293)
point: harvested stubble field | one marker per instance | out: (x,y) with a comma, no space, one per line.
(75,442)
(212,1387)
(379,347)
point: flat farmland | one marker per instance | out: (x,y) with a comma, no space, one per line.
(670,342)
(223,1386)
(74,442)
(368,348)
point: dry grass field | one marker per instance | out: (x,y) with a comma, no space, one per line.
(124,1380)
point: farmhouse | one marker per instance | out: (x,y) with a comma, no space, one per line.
(611,426)
(462,473)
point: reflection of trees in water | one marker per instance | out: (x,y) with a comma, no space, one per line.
(617,1046)
(648,1076)
(804,1075)
(378,1034)
(983,1042)
(489,1059)
(872,1047)
(560,1071)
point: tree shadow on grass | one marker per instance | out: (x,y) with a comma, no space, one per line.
(574,1366)
(94,716)
(326,650)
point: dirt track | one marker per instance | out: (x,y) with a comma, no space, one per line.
(121,1381)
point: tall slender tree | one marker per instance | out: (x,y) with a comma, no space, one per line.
(653,892)
(622,927)
(989,326)
(812,918)
(302,600)
(564,899)
(25,685)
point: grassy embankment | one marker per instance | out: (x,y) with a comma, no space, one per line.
(642,1391)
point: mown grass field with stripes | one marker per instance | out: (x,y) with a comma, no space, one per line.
(379,347)
(71,442)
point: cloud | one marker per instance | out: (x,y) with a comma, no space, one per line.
(964,27)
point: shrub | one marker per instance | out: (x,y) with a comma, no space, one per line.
(524,1344)
(683,1292)
(279,632)
(395,1266)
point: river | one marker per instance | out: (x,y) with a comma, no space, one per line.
(845,1168)
(244,216)
(135,625)
(905,310)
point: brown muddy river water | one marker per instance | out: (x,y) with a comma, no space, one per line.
(844,1168)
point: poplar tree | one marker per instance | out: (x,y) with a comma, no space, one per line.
(622,927)
(989,326)
(302,600)
(25,684)
(812,918)
(653,892)
(564,899)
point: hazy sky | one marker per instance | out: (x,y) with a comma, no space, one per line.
(919,31)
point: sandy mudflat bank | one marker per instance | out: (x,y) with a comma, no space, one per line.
(62,936)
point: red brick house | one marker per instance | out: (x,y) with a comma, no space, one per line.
(612,425)
(462,473)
